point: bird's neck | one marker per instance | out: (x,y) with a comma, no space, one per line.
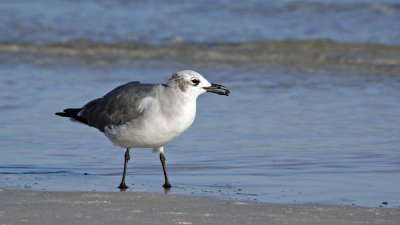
(181,97)
(179,103)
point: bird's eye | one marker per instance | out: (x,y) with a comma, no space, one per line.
(195,81)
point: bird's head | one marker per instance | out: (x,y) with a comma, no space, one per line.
(194,84)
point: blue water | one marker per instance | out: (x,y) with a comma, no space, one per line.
(158,21)
(283,136)
(280,137)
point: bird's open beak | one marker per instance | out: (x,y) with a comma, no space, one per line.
(218,89)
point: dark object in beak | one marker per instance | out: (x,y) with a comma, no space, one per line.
(218,89)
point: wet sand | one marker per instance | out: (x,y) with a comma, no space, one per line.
(30,207)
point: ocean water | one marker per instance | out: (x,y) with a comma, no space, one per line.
(199,21)
(313,115)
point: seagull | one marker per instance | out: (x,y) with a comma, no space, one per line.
(137,115)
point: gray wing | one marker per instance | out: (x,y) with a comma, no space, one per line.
(118,106)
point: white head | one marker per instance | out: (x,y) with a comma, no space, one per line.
(194,84)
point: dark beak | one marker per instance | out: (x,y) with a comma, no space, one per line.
(218,89)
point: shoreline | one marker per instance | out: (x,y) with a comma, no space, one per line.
(43,207)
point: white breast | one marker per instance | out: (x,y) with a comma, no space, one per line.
(162,121)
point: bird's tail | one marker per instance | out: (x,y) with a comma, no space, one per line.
(73,114)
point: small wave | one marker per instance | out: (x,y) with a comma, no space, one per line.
(312,7)
(332,7)
(34,172)
(301,54)
(9,106)
(30,170)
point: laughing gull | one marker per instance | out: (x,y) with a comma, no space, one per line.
(136,115)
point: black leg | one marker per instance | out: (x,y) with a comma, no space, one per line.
(122,186)
(166,185)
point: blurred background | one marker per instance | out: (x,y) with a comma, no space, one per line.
(314,114)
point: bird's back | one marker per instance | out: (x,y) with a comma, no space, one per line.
(117,107)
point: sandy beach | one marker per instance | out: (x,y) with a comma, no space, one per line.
(31,207)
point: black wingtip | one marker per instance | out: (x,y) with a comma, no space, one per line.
(72,113)
(63,114)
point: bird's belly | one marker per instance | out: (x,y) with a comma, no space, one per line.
(153,134)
